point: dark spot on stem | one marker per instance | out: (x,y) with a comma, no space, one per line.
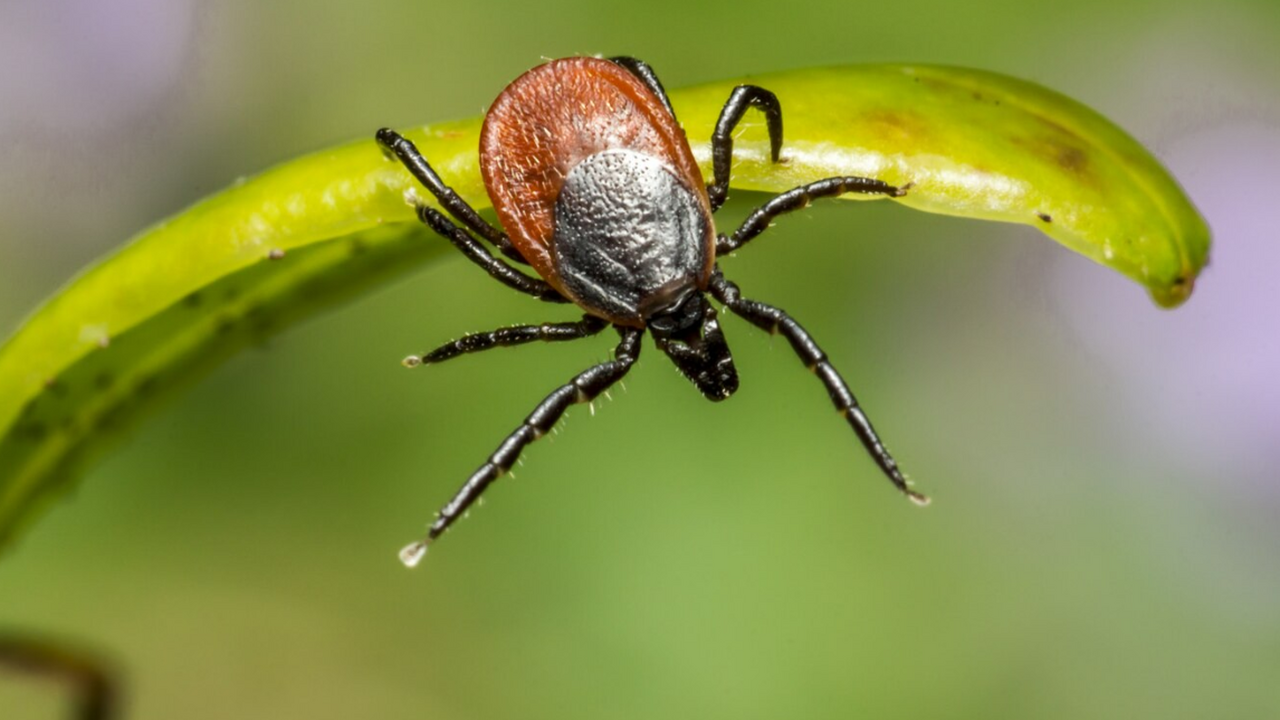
(1045,217)
(110,418)
(900,126)
(193,300)
(261,322)
(34,431)
(56,387)
(1072,158)
(147,385)
(226,324)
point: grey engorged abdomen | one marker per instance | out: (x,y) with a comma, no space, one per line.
(629,235)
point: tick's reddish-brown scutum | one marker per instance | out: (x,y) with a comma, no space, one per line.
(553,117)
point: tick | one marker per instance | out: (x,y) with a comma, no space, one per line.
(598,192)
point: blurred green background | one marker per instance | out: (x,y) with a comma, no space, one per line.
(1106,475)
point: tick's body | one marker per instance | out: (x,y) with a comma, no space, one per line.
(597,188)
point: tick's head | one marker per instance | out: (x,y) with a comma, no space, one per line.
(688,332)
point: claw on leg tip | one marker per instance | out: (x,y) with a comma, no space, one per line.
(413,553)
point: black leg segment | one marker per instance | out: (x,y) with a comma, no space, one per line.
(798,199)
(477,253)
(775,320)
(407,153)
(742,97)
(515,335)
(641,70)
(583,388)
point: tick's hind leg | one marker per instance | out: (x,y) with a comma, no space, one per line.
(477,254)
(505,337)
(584,388)
(774,320)
(407,153)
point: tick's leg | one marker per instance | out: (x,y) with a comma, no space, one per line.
(798,199)
(407,153)
(583,388)
(641,70)
(774,320)
(477,253)
(505,337)
(742,97)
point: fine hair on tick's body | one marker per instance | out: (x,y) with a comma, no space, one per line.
(598,192)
